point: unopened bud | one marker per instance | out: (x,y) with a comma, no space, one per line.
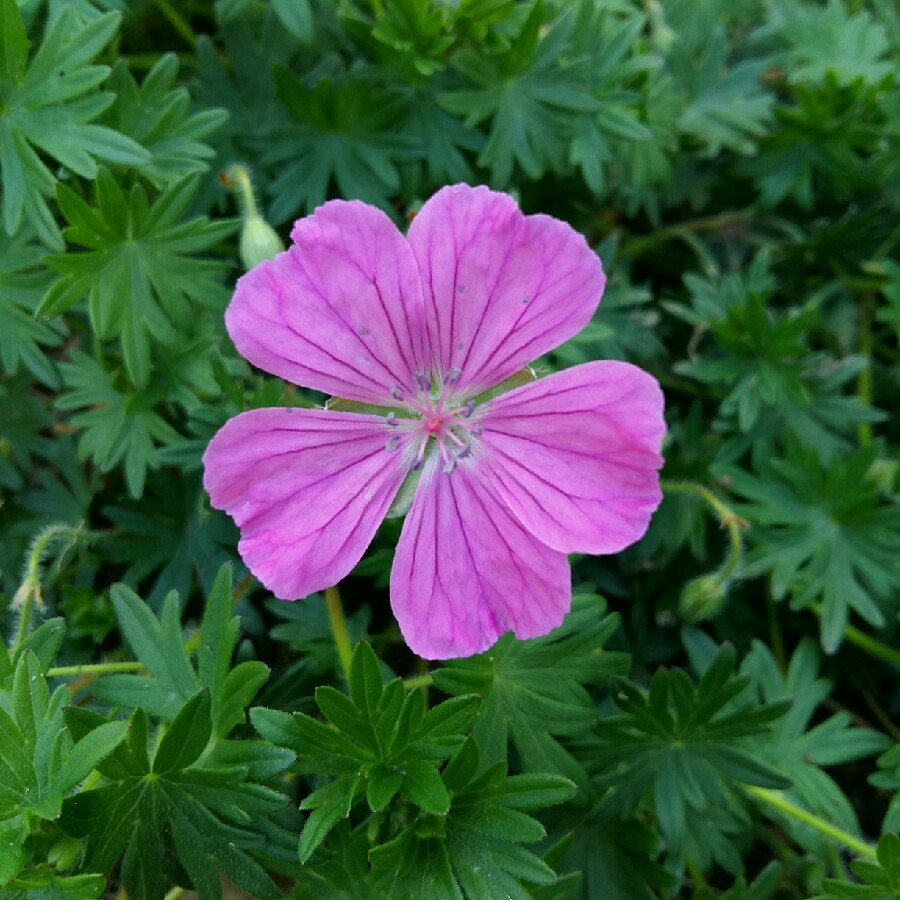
(702,598)
(883,474)
(258,241)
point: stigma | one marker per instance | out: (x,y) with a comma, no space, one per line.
(432,420)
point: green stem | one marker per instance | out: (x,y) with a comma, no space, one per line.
(637,246)
(237,177)
(775,638)
(727,516)
(865,642)
(29,591)
(418,681)
(864,379)
(778,801)
(178,22)
(95,669)
(339,629)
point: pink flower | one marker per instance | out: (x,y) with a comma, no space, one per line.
(419,329)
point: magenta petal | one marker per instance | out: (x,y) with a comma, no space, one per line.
(466,571)
(308,489)
(575,455)
(341,312)
(501,288)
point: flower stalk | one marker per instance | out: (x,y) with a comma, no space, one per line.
(778,801)
(704,597)
(339,632)
(30,592)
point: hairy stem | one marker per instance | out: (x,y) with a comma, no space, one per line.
(778,801)
(29,591)
(95,669)
(864,641)
(727,516)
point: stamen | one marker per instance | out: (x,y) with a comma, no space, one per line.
(466,451)
(468,409)
(396,392)
(392,419)
(455,439)
(453,375)
(423,382)
(392,443)
(476,430)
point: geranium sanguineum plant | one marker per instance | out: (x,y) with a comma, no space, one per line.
(420,331)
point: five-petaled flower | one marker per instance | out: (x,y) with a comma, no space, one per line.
(418,331)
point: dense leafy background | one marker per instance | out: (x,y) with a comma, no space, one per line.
(693,734)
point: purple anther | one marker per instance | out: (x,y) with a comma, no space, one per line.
(423,382)
(453,375)
(392,419)
(466,451)
(476,430)
(468,409)
(396,392)
(417,464)
(392,443)
(449,466)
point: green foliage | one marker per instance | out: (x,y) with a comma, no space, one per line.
(682,742)
(823,535)
(535,690)
(443,833)
(139,272)
(736,165)
(49,105)
(881,878)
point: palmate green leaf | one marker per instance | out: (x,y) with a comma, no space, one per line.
(196,820)
(45,884)
(23,281)
(158,644)
(172,680)
(40,762)
(156,114)
(827,143)
(13,42)
(21,431)
(833,40)
(534,690)
(726,106)
(794,746)
(530,93)
(119,426)
(608,39)
(50,108)
(445,142)
(343,132)
(140,270)
(685,743)
(381,743)
(880,880)
(170,536)
(774,381)
(824,536)
(474,851)
(616,859)
(409,35)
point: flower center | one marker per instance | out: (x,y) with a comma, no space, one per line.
(433,412)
